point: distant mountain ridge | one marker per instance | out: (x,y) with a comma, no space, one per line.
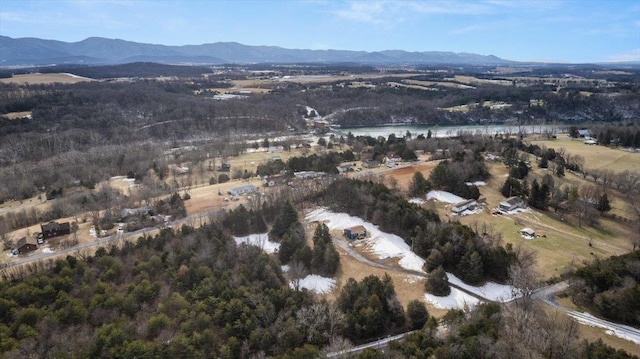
(97,50)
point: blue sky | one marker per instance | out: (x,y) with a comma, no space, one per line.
(568,31)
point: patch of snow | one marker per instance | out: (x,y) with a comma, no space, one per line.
(259,240)
(285,268)
(518,210)
(412,279)
(47,250)
(385,245)
(477,183)
(457,299)
(114,178)
(467,212)
(444,196)
(316,283)
(490,290)
(623,331)
(416,200)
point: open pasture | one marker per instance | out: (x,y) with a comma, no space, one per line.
(44,79)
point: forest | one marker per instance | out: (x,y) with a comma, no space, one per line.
(193,292)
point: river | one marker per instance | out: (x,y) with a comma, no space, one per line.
(447,131)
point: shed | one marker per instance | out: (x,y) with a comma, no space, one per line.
(528,233)
(356,232)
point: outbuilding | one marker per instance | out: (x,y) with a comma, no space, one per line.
(355,232)
(528,233)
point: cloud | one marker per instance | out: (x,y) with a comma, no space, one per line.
(633,55)
(368,12)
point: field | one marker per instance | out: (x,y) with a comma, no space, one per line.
(34,79)
(596,157)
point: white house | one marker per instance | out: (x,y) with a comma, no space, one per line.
(460,207)
(512,203)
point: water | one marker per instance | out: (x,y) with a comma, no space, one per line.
(447,131)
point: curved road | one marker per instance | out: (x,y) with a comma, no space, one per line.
(547,295)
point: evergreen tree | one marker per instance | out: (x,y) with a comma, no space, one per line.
(286,218)
(603,204)
(419,185)
(417,314)
(437,283)
(470,268)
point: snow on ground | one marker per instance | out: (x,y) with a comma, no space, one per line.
(620,332)
(457,299)
(477,183)
(47,250)
(385,245)
(518,210)
(260,240)
(412,279)
(490,290)
(285,268)
(416,200)
(443,196)
(316,283)
(468,212)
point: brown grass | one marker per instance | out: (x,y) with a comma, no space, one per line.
(16,115)
(33,79)
(596,157)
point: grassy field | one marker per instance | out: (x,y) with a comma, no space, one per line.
(596,157)
(17,115)
(34,79)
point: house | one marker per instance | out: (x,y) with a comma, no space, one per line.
(239,191)
(584,134)
(345,168)
(460,207)
(370,164)
(270,181)
(128,212)
(25,244)
(181,170)
(308,174)
(511,204)
(492,157)
(528,233)
(356,232)
(55,229)
(392,160)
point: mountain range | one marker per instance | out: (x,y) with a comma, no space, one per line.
(97,50)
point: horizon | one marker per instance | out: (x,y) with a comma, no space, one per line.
(526,31)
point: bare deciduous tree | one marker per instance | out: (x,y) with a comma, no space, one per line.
(524,277)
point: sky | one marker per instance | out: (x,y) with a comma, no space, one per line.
(523,30)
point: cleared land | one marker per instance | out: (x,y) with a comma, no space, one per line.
(34,79)
(596,157)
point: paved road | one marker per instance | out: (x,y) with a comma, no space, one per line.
(352,252)
(378,344)
(547,295)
